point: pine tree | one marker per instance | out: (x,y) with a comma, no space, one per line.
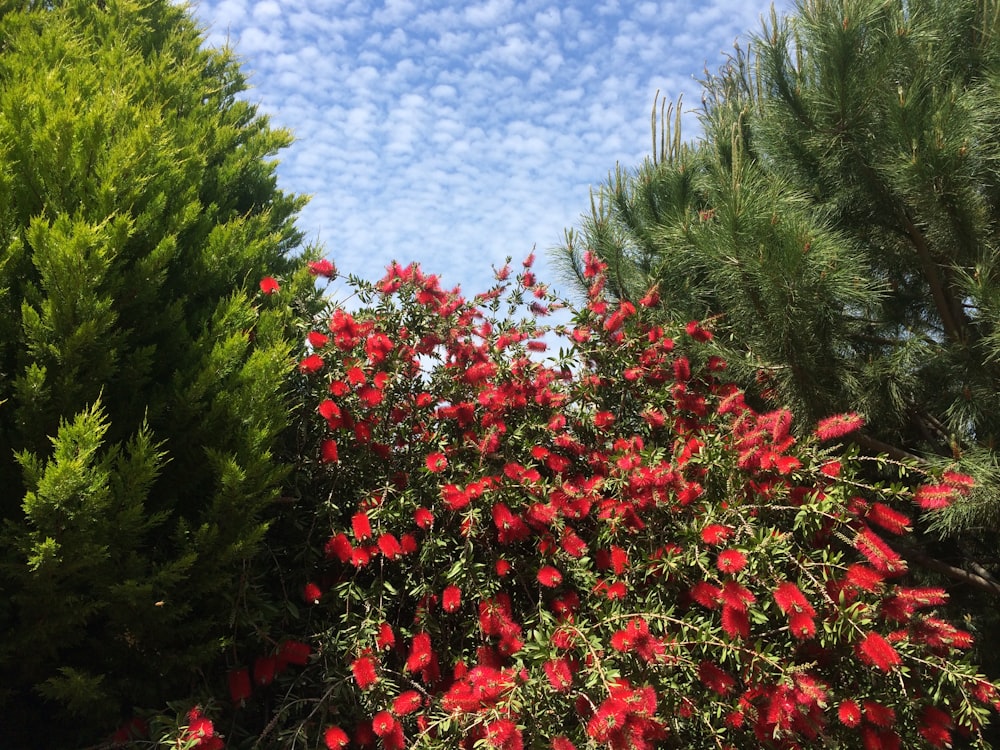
(143,400)
(838,225)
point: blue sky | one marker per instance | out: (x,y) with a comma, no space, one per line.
(456,134)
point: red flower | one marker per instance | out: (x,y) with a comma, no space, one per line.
(891,520)
(328,452)
(715,679)
(715,533)
(503,734)
(423,518)
(562,743)
(317,340)
(363,669)
(790,599)
(549,576)
(572,544)
(293,652)
(877,651)
(436,462)
(420,652)
(311,593)
(879,715)
(849,713)
(385,638)
(389,546)
(268,285)
(882,557)
(383,723)
(451,598)
(361,526)
(731,561)
(838,426)
(935,726)
(407,703)
(322,267)
(934,496)
(706,594)
(335,738)
(311,364)
(802,625)
(502,567)
(559,674)
(239,685)
(263,669)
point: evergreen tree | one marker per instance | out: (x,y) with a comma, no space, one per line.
(144,371)
(838,224)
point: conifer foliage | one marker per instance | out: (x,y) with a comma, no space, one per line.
(839,224)
(144,370)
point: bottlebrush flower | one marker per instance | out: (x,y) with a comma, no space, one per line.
(877,714)
(572,544)
(549,576)
(875,650)
(317,340)
(263,670)
(311,364)
(239,685)
(293,652)
(562,743)
(838,426)
(559,674)
(389,546)
(423,518)
(268,285)
(731,561)
(863,577)
(386,638)
(420,652)
(715,679)
(802,625)
(715,533)
(935,726)
(706,594)
(451,598)
(363,669)
(849,713)
(934,496)
(790,599)
(407,703)
(322,267)
(436,462)
(885,517)
(361,526)
(881,556)
(335,738)
(311,593)
(383,723)
(328,452)
(503,734)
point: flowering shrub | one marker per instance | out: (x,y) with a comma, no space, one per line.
(607,549)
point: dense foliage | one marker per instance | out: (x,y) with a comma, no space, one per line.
(609,548)
(144,373)
(839,222)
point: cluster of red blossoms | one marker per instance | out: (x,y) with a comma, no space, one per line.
(607,548)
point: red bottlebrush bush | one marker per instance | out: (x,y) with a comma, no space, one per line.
(578,574)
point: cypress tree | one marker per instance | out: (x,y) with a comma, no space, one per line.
(838,225)
(143,393)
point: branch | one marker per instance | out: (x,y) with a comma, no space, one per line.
(986,585)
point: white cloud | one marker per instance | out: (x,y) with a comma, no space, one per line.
(456,134)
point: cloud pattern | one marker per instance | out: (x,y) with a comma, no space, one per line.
(456,134)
